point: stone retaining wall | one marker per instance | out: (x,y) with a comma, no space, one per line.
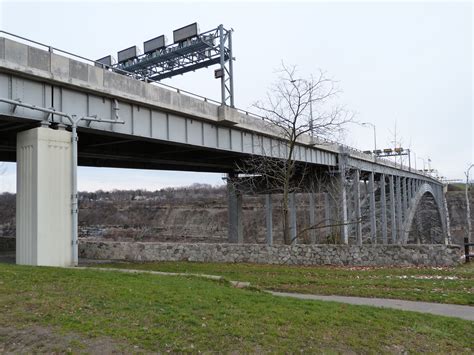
(7,244)
(367,255)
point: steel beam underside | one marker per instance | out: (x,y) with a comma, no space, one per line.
(145,123)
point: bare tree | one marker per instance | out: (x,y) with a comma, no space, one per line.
(295,107)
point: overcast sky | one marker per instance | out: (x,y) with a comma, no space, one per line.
(404,63)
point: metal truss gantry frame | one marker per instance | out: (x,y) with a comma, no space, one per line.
(206,49)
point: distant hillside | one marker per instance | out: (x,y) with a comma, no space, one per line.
(191,214)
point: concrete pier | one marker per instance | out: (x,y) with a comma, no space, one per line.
(235,212)
(43,214)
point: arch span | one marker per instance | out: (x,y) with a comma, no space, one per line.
(415,202)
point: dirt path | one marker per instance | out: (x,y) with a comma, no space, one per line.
(440,309)
(39,339)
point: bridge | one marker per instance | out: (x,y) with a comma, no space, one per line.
(58,111)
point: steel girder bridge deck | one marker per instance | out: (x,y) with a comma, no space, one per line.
(170,129)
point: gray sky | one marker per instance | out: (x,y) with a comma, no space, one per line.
(405,63)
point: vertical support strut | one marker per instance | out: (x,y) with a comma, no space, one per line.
(327,214)
(293,231)
(447,239)
(231,70)
(234,211)
(404,197)
(409,192)
(393,218)
(373,223)
(358,215)
(269,219)
(398,193)
(343,196)
(74,197)
(222,63)
(383,208)
(312,218)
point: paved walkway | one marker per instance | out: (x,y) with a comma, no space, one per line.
(441,309)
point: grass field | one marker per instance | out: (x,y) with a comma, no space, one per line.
(87,309)
(442,285)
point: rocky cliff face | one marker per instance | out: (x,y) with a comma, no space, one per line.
(457,214)
(199,214)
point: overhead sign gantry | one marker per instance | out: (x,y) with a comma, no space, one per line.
(189,51)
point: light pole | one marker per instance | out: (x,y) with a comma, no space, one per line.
(424,163)
(375,133)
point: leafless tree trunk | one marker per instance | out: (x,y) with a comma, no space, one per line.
(294,107)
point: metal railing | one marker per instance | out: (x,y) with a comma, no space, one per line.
(356,152)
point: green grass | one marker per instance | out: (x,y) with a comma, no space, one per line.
(401,283)
(180,314)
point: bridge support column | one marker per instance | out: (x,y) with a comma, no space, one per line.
(383,208)
(327,214)
(393,219)
(357,211)
(269,219)
(343,196)
(399,212)
(373,223)
(312,218)
(234,197)
(409,190)
(404,197)
(43,200)
(292,207)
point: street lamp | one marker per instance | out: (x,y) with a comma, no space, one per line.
(424,163)
(375,133)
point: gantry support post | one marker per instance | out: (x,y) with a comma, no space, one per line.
(383,208)
(234,211)
(292,206)
(373,223)
(393,214)
(269,219)
(312,218)
(399,212)
(358,215)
